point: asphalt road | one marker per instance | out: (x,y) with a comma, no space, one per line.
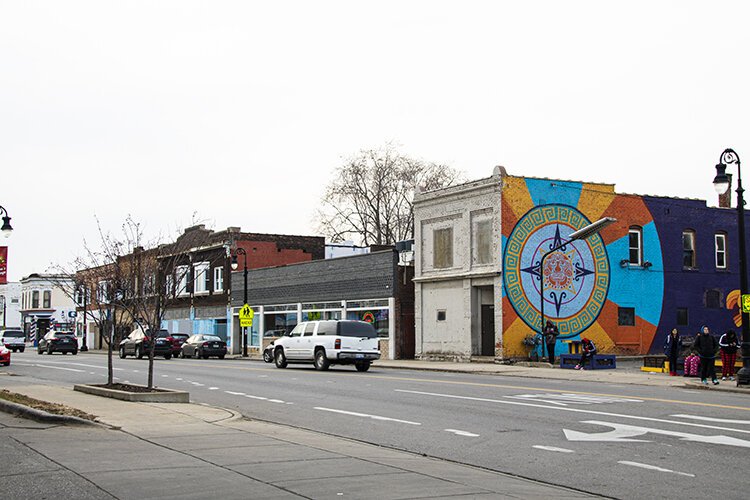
(621,441)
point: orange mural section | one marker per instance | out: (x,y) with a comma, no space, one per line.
(625,338)
(516,197)
(629,211)
(514,331)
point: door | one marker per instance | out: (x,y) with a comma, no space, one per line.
(488,330)
(306,342)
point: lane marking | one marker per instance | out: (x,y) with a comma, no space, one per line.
(653,467)
(574,410)
(213,388)
(552,448)
(566,398)
(622,433)
(52,367)
(275,401)
(462,433)
(365,415)
(235,393)
(198,384)
(503,386)
(256,397)
(711,419)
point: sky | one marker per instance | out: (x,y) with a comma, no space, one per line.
(238,113)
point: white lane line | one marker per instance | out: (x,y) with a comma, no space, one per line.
(462,433)
(92,373)
(165,375)
(256,397)
(574,410)
(275,401)
(235,393)
(711,419)
(552,448)
(653,467)
(51,367)
(213,388)
(179,378)
(365,415)
(198,384)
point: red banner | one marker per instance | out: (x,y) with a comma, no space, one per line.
(3,265)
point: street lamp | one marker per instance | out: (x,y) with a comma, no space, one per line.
(581,234)
(241,251)
(722,184)
(7,228)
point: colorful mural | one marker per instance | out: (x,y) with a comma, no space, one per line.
(585,285)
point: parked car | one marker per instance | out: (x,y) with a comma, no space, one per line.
(14,339)
(58,341)
(268,352)
(203,346)
(177,340)
(139,342)
(4,355)
(329,342)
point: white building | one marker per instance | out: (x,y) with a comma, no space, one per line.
(344,249)
(45,305)
(10,305)
(458,271)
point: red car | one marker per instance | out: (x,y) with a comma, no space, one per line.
(177,340)
(4,355)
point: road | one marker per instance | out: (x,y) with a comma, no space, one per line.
(621,441)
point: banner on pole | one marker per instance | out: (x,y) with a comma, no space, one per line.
(3,265)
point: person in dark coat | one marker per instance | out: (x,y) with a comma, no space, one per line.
(705,346)
(728,344)
(588,349)
(672,348)
(550,338)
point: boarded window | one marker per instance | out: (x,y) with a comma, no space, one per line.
(442,256)
(682,316)
(626,316)
(688,249)
(713,299)
(483,242)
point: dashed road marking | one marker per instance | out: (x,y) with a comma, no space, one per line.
(235,393)
(365,415)
(654,467)
(213,388)
(552,448)
(462,433)
(711,419)
(566,398)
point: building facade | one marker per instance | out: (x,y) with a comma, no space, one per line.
(665,263)
(45,305)
(10,305)
(371,287)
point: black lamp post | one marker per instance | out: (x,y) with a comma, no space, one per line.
(7,228)
(581,234)
(241,251)
(721,184)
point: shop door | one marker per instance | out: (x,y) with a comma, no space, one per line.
(488,330)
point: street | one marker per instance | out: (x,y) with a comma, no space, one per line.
(608,439)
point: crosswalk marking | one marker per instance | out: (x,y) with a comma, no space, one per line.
(568,398)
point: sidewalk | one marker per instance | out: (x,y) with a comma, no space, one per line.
(152,450)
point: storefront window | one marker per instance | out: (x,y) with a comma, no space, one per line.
(279,323)
(319,315)
(378,318)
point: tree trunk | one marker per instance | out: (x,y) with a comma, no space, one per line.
(110,369)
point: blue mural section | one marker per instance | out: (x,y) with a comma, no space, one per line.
(545,191)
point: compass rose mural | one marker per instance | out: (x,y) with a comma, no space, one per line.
(585,285)
(576,277)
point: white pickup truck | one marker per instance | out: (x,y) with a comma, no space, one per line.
(13,338)
(329,342)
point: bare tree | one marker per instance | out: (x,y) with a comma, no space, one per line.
(371,196)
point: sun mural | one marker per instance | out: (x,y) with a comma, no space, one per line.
(576,276)
(585,284)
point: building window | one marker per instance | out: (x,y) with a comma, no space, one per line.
(441,315)
(218,279)
(102,292)
(682,316)
(482,242)
(688,249)
(720,243)
(35,299)
(626,316)
(46,299)
(201,278)
(181,278)
(169,286)
(713,299)
(635,249)
(442,256)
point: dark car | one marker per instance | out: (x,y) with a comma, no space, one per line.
(178,340)
(55,341)
(139,342)
(203,346)
(13,338)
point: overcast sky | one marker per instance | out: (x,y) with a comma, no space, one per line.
(240,111)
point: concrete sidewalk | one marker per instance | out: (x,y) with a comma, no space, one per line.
(152,450)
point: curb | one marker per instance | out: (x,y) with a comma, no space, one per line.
(20,410)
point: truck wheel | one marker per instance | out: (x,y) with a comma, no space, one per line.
(362,366)
(321,360)
(122,352)
(279,358)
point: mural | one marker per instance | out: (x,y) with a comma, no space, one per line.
(585,287)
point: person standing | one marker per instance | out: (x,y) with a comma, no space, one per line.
(588,350)
(550,337)
(705,346)
(728,345)
(672,348)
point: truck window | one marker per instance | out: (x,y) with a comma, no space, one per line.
(357,329)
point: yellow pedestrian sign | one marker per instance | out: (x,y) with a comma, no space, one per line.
(746,303)
(246,316)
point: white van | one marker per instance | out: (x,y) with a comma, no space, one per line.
(329,342)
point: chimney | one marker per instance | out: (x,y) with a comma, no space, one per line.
(725,200)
